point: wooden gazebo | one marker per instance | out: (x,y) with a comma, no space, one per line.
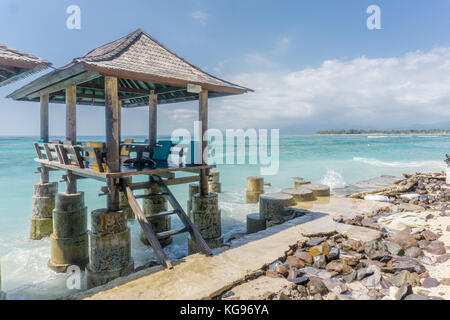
(133,71)
(15,65)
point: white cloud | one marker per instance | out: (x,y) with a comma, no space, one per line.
(200,16)
(392,92)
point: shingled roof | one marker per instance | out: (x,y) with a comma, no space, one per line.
(15,65)
(142,64)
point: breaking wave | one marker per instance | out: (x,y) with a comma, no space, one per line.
(439,165)
(333,179)
(389,136)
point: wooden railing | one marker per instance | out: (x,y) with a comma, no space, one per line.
(76,155)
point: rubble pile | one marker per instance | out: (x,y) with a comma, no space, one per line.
(334,267)
(427,190)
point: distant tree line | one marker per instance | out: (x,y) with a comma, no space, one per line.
(361,131)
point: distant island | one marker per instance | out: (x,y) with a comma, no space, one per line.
(361,131)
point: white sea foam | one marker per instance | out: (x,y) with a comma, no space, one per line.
(333,179)
(429,164)
(377,136)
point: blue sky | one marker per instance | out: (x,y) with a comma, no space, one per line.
(314,64)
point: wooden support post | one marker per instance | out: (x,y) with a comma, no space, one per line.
(120,123)
(71,114)
(44,133)
(153,120)
(203,117)
(112,113)
(71,132)
(44,117)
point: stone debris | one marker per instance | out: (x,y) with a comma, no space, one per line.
(443,258)
(404,291)
(430,283)
(413,252)
(336,266)
(426,190)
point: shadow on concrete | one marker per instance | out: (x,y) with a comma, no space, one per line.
(306,216)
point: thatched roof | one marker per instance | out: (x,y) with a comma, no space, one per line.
(141,63)
(15,65)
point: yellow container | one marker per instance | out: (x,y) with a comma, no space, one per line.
(93,144)
(123,150)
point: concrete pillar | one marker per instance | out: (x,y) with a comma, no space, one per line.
(42,207)
(193,189)
(271,205)
(152,206)
(255,223)
(110,250)
(255,187)
(123,202)
(214,182)
(206,216)
(69,240)
(298,182)
(300,194)
(319,190)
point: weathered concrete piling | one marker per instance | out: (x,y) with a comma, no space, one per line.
(153,205)
(69,241)
(299,182)
(319,190)
(214,182)
(193,189)
(43,204)
(123,201)
(272,205)
(206,216)
(255,187)
(300,194)
(110,250)
(255,223)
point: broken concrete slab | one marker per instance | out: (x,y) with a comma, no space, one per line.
(349,208)
(261,288)
(362,234)
(324,226)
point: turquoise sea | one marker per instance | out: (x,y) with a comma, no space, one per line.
(334,160)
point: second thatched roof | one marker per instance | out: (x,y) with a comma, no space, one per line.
(15,64)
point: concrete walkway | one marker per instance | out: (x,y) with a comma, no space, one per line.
(201,277)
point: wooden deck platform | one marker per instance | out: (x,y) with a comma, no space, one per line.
(125,171)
